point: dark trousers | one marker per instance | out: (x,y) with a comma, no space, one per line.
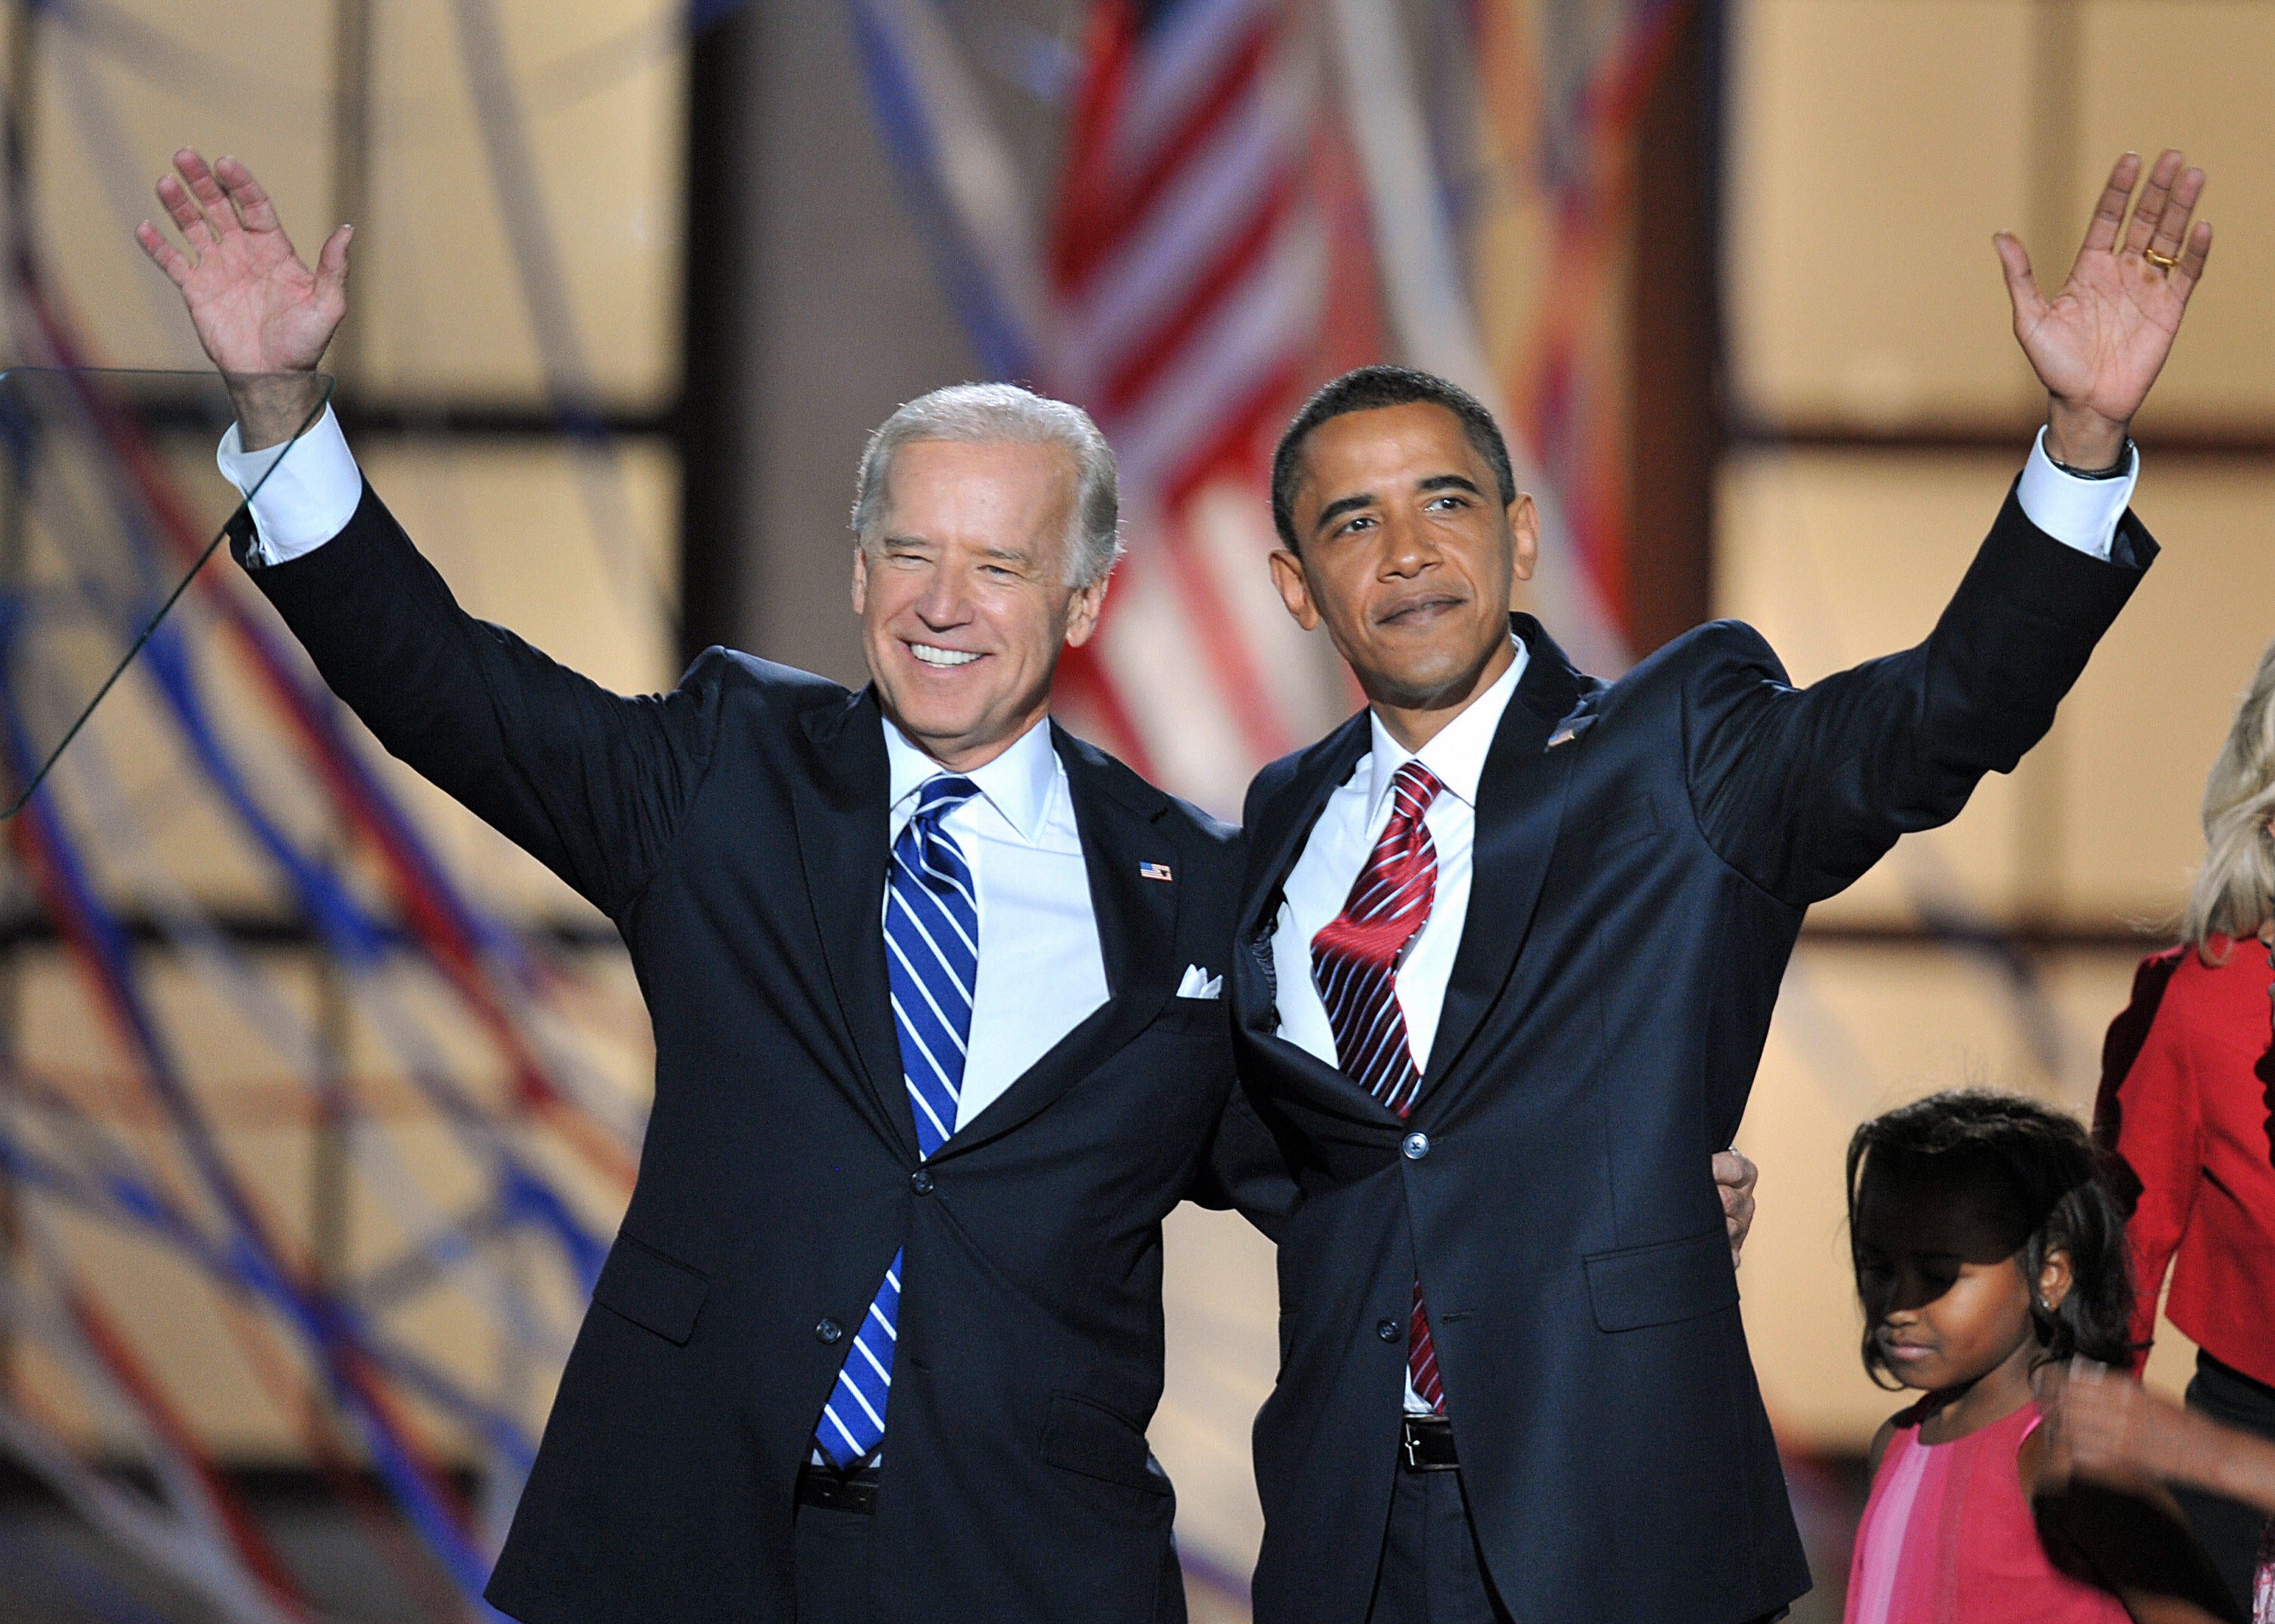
(2228,1532)
(831,1553)
(1431,1571)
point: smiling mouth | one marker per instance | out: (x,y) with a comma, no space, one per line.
(942,659)
(1415,609)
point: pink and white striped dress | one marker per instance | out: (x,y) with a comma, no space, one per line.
(1947,1538)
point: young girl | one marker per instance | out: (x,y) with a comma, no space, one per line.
(1986,1245)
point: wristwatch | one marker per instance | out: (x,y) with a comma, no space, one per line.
(2115,470)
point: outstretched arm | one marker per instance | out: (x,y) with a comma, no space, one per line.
(2104,1428)
(1803,790)
(591,784)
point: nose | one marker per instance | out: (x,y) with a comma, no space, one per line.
(1407,547)
(943,604)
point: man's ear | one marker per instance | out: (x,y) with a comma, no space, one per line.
(1524,524)
(1294,588)
(1082,614)
(860,580)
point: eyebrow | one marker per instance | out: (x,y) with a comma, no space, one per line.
(1341,505)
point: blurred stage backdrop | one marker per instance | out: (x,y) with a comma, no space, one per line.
(319,1104)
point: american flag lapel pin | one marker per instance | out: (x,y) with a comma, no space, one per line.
(1571,727)
(1154,871)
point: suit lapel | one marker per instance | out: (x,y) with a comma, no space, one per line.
(1118,816)
(1284,828)
(1279,840)
(843,816)
(1520,807)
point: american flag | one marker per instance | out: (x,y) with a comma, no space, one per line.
(1189,285)
(1252,200)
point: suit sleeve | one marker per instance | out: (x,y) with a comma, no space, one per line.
(1246,1170)
(590,782)
(2151,1115)
(1802,789)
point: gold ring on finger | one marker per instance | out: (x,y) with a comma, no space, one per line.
(2162,261)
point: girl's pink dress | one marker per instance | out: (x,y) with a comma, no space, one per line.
(1947,1538)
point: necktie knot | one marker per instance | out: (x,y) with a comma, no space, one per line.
(1412,789)
(940,796)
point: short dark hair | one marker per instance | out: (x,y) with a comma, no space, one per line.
(1366,389)
(2054,1192)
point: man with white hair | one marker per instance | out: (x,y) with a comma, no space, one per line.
(935,992)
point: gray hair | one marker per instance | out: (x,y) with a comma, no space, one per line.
(983,411)
(2235,888)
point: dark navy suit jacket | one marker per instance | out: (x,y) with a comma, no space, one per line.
(735,831)
(1645,853)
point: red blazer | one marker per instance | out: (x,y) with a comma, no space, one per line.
(2188,1102)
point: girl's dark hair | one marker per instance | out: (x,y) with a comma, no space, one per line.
(2044,1170)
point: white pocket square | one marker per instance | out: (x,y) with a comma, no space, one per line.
(1199,983)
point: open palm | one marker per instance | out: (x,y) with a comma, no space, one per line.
(256,306)
(2100,342)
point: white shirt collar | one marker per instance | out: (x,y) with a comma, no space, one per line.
(1017,784)
(1456,756)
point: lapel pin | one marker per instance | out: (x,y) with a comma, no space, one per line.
(1154,871)
(1571,727)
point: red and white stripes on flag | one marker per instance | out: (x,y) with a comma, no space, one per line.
(1189,280)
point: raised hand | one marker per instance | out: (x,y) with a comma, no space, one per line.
(258,309)
(2100,342)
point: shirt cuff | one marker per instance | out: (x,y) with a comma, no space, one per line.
(299,502)
(2080,513)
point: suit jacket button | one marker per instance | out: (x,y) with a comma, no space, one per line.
(920,1180)
(828,1331)
(1417,1146)
(1388,1330)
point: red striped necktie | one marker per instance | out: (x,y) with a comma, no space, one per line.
(1355,965)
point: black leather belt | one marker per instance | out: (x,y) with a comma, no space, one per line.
(828,1487)
(1426,1445)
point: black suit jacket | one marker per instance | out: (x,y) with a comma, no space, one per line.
(735,831)
(1644,854)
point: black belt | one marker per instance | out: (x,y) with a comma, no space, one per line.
(1426,1445)
(828,1487)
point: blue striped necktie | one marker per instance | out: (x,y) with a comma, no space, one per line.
(931,954)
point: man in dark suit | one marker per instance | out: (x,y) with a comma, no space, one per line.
(935,995)
(1508,952)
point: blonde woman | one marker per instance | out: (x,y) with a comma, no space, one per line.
(2187,1103)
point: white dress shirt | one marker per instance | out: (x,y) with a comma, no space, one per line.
(1041,970)
(2082,513)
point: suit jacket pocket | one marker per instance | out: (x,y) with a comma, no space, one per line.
(655,1292)
(1661,1285)
(1089,1438)
(1184,1014)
